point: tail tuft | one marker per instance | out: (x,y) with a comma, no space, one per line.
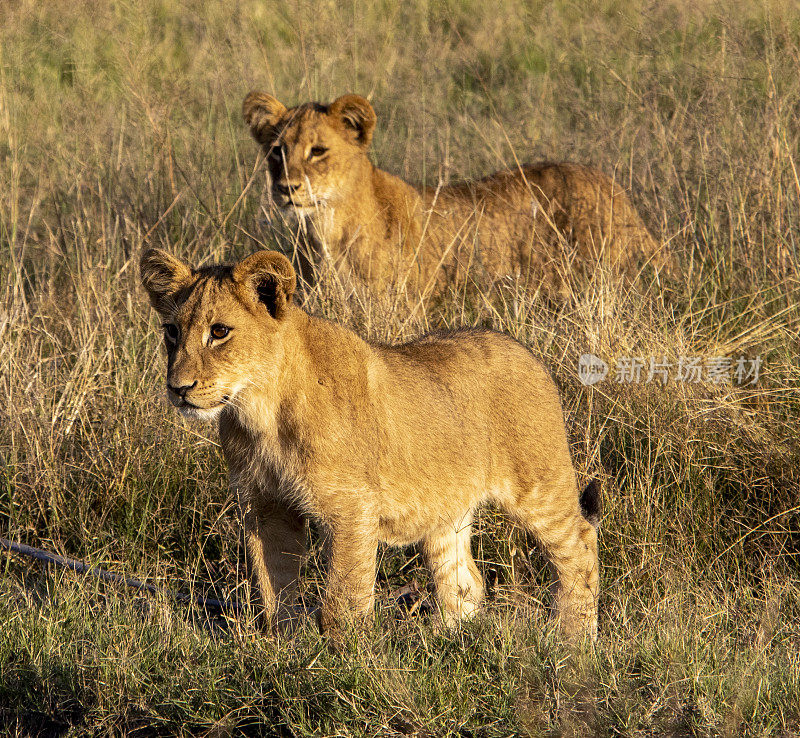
(590,500)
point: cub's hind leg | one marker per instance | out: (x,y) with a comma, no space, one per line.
(459,585)
(569,540)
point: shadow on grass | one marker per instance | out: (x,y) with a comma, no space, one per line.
(42,701)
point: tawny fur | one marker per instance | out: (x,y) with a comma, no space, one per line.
(535,222)
(376,443)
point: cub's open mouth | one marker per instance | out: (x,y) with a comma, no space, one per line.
(184,404)
(286,202)
(289,203)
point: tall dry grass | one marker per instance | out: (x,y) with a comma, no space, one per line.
(120,129)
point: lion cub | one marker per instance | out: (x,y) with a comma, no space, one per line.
(394,444)
(535,222)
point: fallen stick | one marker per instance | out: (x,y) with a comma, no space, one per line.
(107,576)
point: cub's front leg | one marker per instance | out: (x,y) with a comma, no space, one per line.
(276,544)
(351,547)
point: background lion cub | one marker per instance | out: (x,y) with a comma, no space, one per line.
(376,443)
(536,222)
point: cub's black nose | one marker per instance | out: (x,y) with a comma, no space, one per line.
(181,391)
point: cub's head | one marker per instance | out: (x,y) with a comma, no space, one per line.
(315,153)
(223,326)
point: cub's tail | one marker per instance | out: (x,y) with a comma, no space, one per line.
(590,500)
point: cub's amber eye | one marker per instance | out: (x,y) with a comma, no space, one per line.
(171,332)
(317,151)
(219,331)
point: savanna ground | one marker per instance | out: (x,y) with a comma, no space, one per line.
(120,128)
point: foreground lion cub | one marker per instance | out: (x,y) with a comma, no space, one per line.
(535,222)
(393,444)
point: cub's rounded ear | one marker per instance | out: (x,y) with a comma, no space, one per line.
(357,115)
(163,276)
(262,113)
(270,278)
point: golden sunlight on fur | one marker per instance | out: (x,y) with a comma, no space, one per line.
(536,222)
(376,443)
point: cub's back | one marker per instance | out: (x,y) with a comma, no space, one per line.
(475,377)
(508,219)
(481,353)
